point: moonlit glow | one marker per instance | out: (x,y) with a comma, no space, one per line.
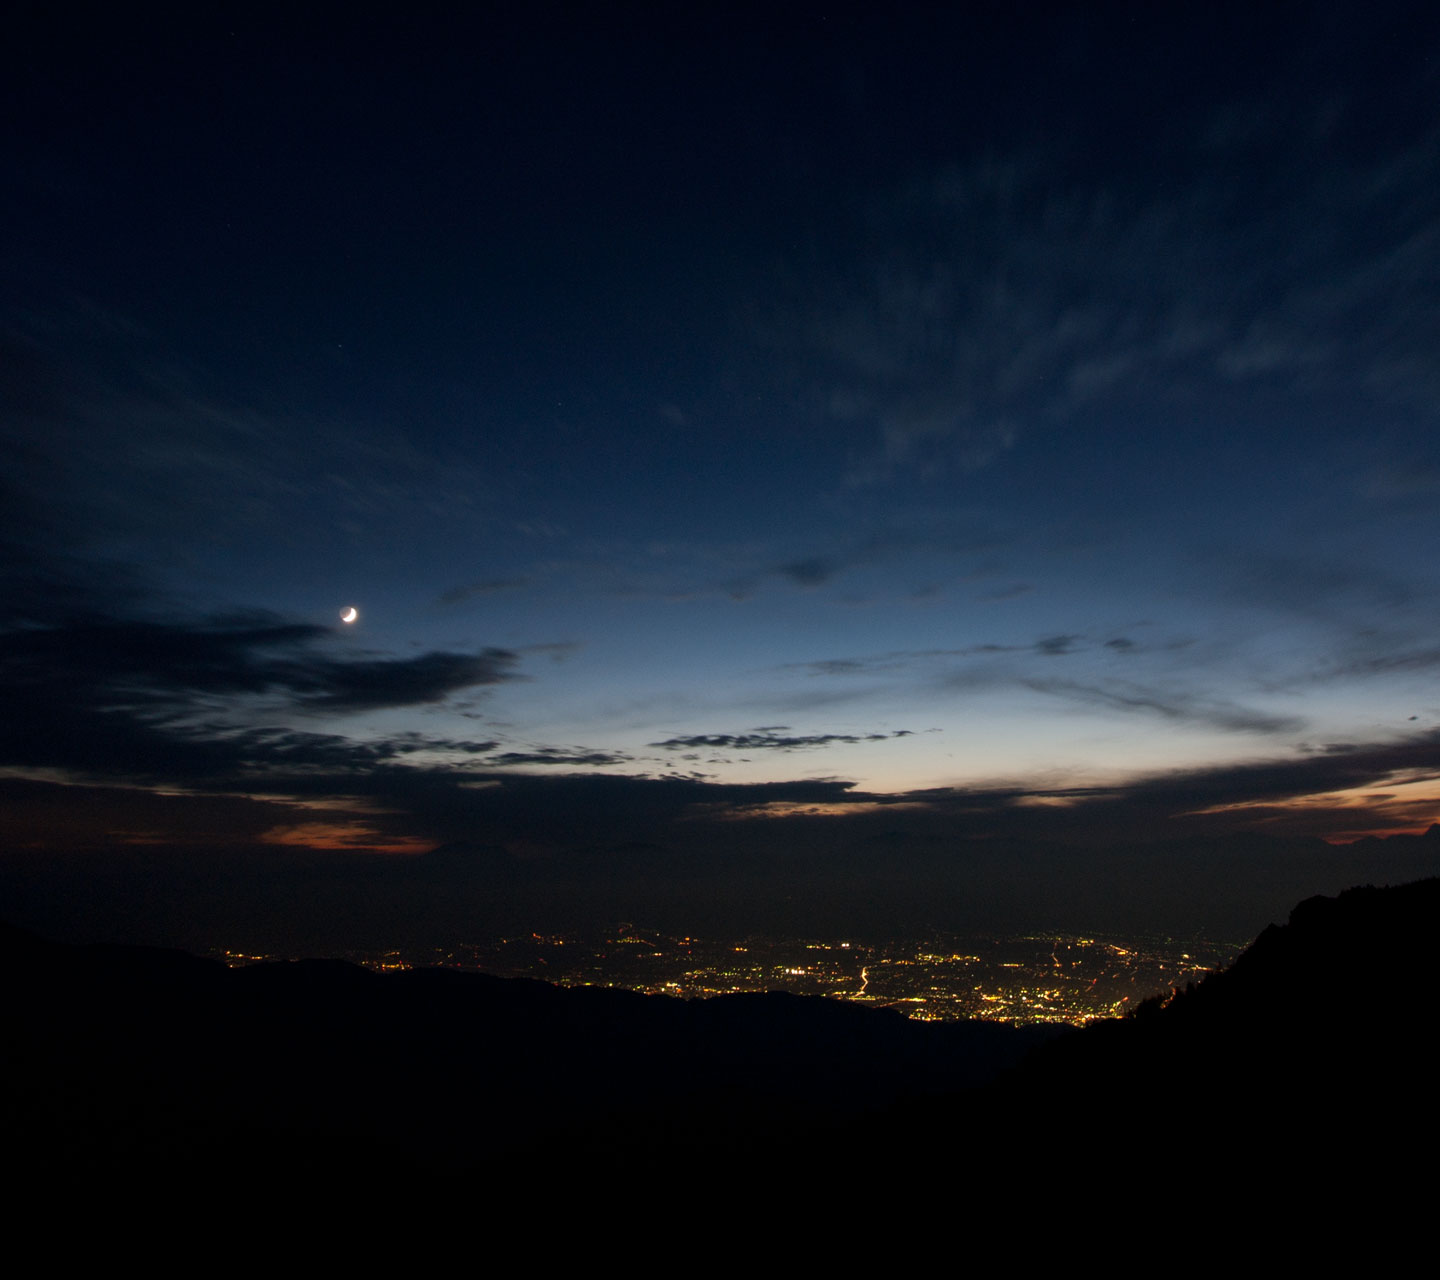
(349,615)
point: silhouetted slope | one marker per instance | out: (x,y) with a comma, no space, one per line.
(1307,1063)
(135,1057)
(1311,1058)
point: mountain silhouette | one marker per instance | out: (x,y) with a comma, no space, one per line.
(1311,1052)
(137,1057)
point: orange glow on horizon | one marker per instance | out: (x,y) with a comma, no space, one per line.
(802,809)
(1405,803)
(346,837)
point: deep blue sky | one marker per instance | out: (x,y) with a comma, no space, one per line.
(1008,422)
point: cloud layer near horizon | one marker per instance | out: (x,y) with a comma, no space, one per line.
(181,751)
(220,707)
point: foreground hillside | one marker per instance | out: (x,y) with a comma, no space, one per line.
(1302,1075)
(127,1058)
(1340,997)
(1312,1051)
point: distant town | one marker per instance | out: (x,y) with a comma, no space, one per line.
(1030,978)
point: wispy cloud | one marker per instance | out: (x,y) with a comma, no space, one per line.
(776,738)
(1126,698)
(1322,588)
(1053,646)
(109,436)
(119,683)
(151,663)
(566,756)
(949,538)
(485,587)
(1035,667)
(999,298)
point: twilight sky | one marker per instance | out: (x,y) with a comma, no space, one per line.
(807,432)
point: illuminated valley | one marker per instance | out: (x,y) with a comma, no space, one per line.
(1062,978)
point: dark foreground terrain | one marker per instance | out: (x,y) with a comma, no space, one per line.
(128,1058)
(1310,1062)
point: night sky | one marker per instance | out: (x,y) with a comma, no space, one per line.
(984,463)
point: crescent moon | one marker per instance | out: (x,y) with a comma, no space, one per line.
(350,614)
